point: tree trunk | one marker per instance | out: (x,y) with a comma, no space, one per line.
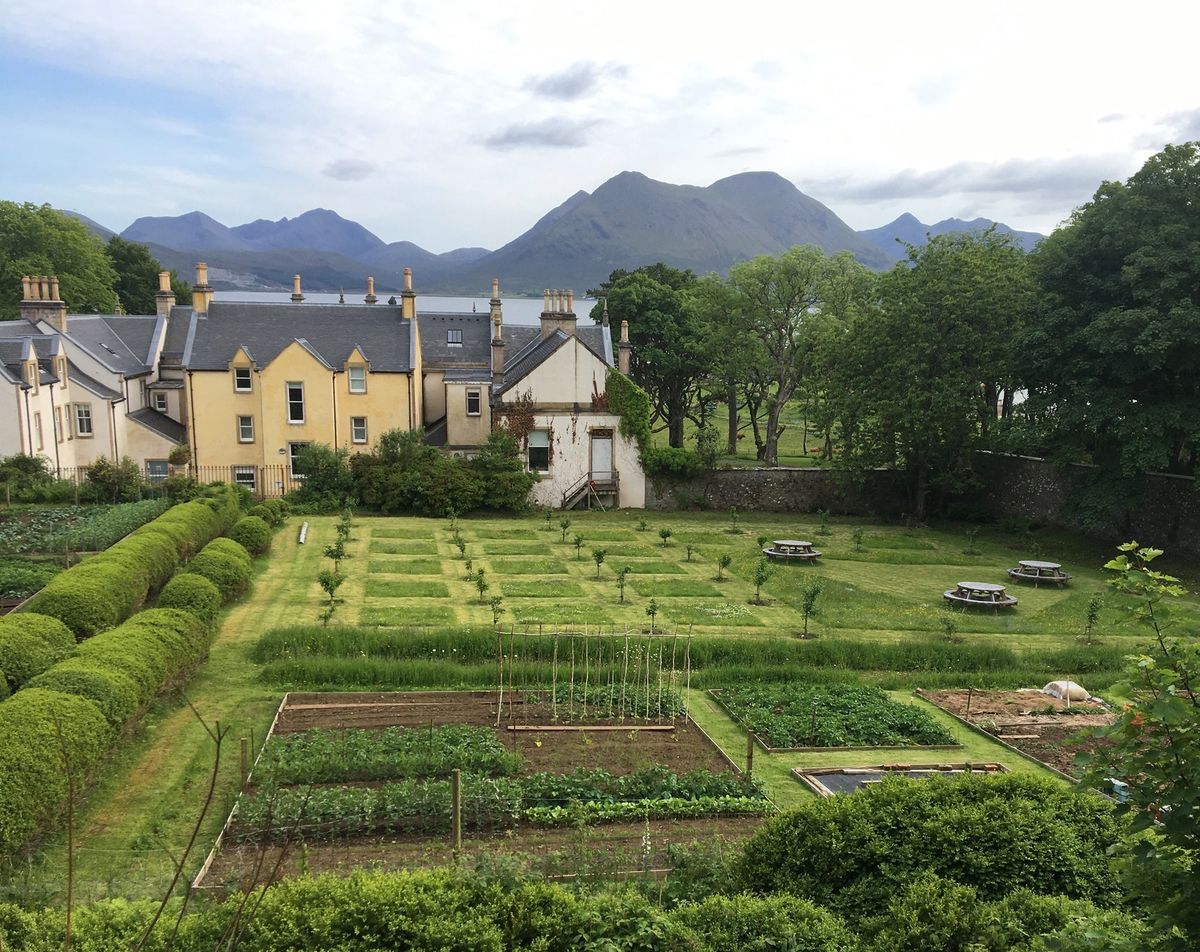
(1007,407)
(675,430)
(731,400)
(771,455)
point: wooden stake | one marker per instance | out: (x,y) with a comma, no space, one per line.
(554,682)
(245,762)
(456,811)
(586,669)
(499,675)
(625,676)
(512,661)
(749,754)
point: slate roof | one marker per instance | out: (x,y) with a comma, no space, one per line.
(75,375)
(536,350)
(123,343)
(436,353)
(331,332)
(468,375)
(160,423)
(177,331)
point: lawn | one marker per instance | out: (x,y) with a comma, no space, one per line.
(879,619)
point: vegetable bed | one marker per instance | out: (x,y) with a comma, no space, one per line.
(830,715)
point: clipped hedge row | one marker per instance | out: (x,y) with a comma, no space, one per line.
(192,593)
(107,588)
(29,644)
(272,511)
(252,533)
(227,569)
(41,731)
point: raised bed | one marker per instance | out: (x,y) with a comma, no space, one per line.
(827,781)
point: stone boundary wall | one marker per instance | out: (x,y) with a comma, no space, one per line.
(784,489)
(1165,513)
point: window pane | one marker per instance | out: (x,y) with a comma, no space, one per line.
(83,420)
(539,438)
(156,470)
(295,400)
(358,429)
(473,402)
(241,378)
(358,379)
(245,476)
(246,429)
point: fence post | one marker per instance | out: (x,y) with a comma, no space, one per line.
(245,762)
(749,754)
(456,811)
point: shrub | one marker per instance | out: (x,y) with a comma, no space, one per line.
(672,464)
(22,656)
(37,728)
(151,649)
(110,481)
(227,546)
(273,512)
(50,630)
(228,573)
(20,578)
(84,602)
(252,533)
(192,593)
(114,692)
(328,484)
(996,834)
(734,923)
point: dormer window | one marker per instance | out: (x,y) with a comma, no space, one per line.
(31,375)
(454,337)
(61,371)
(243,381)
(357,377)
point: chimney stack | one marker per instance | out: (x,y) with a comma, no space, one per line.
(558,314)
(202,293)
(164,297)
(408,297)
(570,300)
(624,349)
(41,302)
(297,297)
(371,298)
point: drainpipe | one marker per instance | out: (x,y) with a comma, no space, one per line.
(195,467)
(333,389)
(28,419)
(112,408)
(54,432)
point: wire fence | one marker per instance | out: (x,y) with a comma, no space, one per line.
(263,482)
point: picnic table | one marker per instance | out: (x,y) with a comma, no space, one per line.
(1032,570)
(791,549)
(980,595)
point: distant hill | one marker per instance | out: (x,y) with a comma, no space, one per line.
(193,231)
(94,227)
(909,229)
(318,230)
(633,220)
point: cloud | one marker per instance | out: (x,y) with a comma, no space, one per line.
(575,82)
(1112,117)
(738,151)
(1064,179)
(348,170)
(554,133)
(1183,126)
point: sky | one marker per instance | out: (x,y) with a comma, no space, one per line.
(452,124)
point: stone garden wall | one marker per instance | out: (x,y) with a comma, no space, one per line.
(1164,512)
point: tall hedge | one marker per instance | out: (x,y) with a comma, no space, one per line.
(252,533)
(104,590)
(40,732)
(23,656)
(228,572)
(227,546)
(192,593)
(994,833)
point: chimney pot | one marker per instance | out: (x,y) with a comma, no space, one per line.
(25,291)
(495,288)
(54,288)
(297,297)
(624,332)
(164,280)
(202,274)
(370,298)
(408,279)
(44,290)
(570,300)
(546,300)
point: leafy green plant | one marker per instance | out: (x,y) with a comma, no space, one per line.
(481,584)
(690,549)
(336,551)
(762,573)
(723,562)
(330,581)
(857,536)
(652,611)
(577,541)
(598,556)
(665,534)
(496,603)
(823,524)
(1091,616)
(972,537)
(564,524)
(622,577)
(808,602)
(642,525)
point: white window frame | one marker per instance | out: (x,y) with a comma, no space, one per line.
(241,471)
(454,337)
(350,372)
(81,412)
(160,396)
(241,429)
(163,470)
(530,447)
(288,401)
(58,425)
(237,388)
(293,449)
(354,426)
(478,411)
(37,429)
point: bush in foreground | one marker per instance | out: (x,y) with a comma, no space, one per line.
(252,533)
(227,572)
(192,593)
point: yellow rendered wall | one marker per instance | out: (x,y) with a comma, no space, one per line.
(434,390)
(215,407)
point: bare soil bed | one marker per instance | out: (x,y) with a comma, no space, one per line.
(603,850)
(1036,724)
(557,751)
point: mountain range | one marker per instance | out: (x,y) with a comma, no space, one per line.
(628,221)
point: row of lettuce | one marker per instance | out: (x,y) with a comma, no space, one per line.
(87,656)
